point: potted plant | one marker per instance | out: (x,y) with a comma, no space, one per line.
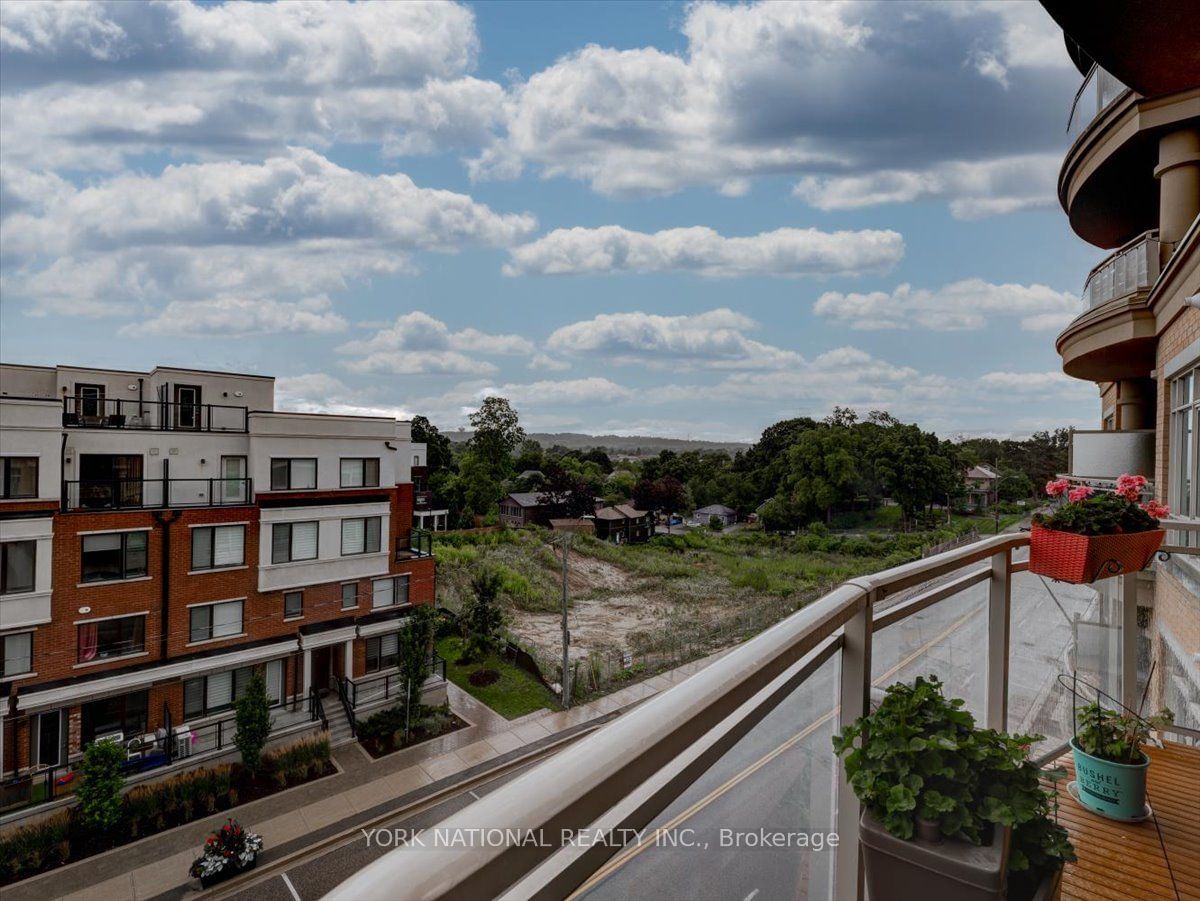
(1096,534)
(1110,765)
(228,851)
(949,810)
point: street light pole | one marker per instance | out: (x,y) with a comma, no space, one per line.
(566,633)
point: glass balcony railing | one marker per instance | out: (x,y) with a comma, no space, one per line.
(742,747)
(1131,268)
(1099,456)
(1098,91)
(140,494)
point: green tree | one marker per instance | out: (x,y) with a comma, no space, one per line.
(99,792)
(439,453)
(1014,485)
(824,468)
(478,484)
(416,649)
(253,715)
(498,433)
(529,456)
(481,618)
(916,468)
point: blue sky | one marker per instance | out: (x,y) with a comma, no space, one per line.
(643,218)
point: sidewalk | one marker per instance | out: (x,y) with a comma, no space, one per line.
(158,865)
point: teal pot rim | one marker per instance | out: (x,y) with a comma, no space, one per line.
(1104,760)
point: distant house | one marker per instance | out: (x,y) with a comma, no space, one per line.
(703,516)
(583,526)
(982,484)
(524,508)
(624,524)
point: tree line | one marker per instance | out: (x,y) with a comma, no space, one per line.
(800,471)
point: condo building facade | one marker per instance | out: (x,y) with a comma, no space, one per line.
(165,533)
(1130,185)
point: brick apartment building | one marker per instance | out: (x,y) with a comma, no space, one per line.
(1130,183)
(164,533)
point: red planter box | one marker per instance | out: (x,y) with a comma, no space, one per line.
(1082,559)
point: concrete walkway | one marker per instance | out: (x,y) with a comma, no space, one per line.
(158,865)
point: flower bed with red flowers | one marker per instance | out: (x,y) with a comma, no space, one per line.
(1096,534)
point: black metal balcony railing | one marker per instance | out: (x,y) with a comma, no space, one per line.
(117,413)
(380,687)
(140,494)
(419,543)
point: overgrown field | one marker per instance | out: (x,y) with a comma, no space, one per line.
(677,597)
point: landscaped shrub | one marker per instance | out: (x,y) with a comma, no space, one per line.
(253,721)
(296,760)
(38,845)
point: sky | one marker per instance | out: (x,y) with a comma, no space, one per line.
(680,219)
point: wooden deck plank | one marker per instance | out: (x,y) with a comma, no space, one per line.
(1118,861)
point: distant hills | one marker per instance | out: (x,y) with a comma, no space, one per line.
(633,445)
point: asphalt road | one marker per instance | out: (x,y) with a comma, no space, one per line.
(309,878)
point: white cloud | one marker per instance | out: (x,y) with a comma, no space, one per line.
(701,250)
(715,339)
(318,392)
(827,90)
(418,343)
(289,227)
(230,317)
(89,83)
(1054,382)
(974,189)
(961,305)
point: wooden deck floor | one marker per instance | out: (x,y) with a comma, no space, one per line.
(1122,861)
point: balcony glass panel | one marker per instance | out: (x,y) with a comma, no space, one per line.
(1132,268)
(948,640)
(778,779)
(1099,90)
(1058,628)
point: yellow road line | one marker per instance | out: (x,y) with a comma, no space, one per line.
(634,850)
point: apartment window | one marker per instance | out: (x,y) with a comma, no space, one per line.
(293,472)
(215,621)
(18,654)
(383,652)
(114,556)
(360,472)
(216,546)
(361,535)
(349,595)
(293,604)
(18,477)
(108,638)
(234,487)
(391,592)
(17,566)
(215,692)
(293,541)
(1183,493)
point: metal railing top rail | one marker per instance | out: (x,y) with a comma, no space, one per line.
(80,411)
(574,789)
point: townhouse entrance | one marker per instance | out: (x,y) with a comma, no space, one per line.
(322,668)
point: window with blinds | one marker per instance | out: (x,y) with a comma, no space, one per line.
(215,692)
(293,473)
(215,620)
(360,472)
(216,546)
(391,592)
(361,535)
(293,541)
(383,652)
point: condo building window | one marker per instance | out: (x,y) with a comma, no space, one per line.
(349,595)
(18,477)
(360,472)
(1183,494)
(113,556)
(293,473)
(391,592)
(18,654)
(293,604)
(209,621)
(361,535)
(293,541)
(383,652)
(215,692)
(216,546)
(17,566)
(234,484)
(107,638)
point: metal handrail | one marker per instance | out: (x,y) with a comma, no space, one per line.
(344,697)
(149,493)
(80,411)
(316,709)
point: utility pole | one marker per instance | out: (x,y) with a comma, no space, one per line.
(566,633)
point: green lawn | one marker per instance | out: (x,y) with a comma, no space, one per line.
(515,694)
